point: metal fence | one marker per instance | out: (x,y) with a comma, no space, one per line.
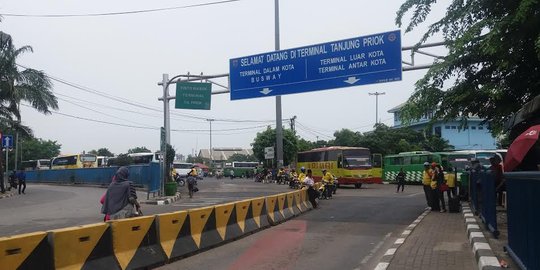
(147,176)
(523,200)
(484,199)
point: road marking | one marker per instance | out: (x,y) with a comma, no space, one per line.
(415,194)
(372,252)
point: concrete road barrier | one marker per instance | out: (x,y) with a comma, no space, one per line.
(203,227)
(135,243)
(83,247)
(290,205)
(227,221)
(298,201)
(175,234)
(259,213)
(26,251)
(275,215)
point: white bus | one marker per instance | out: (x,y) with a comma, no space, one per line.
(145,158)
(39,164)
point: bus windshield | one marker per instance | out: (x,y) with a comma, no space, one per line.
(67,160)
(358,158)
(460,162)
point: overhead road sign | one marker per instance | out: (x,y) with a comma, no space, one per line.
(192,95)
(7,141)
(357,61)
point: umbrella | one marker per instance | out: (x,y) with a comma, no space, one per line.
(520,146)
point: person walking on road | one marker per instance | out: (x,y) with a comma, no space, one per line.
(21,178)
(121,197)
(312,193)
(426,181)
(400,179)
(192,181)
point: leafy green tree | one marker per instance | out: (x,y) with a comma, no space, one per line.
(141,149)
(492,67)
(122,160)
(241,157)
(102,152)
(346,137)
(33,148)
(267,138)
(171,153)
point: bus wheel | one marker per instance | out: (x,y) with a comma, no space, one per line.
(358,185)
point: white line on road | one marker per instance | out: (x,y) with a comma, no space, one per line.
(372,252)
(415,194)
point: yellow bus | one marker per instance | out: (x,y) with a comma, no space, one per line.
(351,165)
(74,161)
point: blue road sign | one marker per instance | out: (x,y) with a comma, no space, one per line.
(7,141)
(363,60)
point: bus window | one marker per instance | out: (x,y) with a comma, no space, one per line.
(407,160)
(29,165)
(415,160)
(377,160)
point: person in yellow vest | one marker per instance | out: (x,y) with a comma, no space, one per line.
(293,181)
(426,182)
(451,182)
(328,181)
(301,177)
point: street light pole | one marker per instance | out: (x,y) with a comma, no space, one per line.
(211,152)
(377,94)
(279,125)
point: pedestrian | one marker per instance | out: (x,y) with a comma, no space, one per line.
(192,181)
(121,197)
(426,182)
(450,178)
(21,178)
(400,179)
(497,170)
(12,180)
(312,193)
(438,179)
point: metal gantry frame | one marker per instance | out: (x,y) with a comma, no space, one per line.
(166,82)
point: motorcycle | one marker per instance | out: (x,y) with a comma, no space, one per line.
(180,181)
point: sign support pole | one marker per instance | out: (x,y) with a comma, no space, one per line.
(279,124)
(167,127)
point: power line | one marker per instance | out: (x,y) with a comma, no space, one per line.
(116,13)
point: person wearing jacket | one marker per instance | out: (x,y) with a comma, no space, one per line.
(121,197)
(311,192)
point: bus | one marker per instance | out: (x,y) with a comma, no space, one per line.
(145,158)
(484,155)
(38,164)
(102,161)
(244,169)
(413,163)
(351,165)
(74,161)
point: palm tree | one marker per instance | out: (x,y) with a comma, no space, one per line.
(27,85)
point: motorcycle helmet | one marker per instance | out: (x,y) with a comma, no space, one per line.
(303,169)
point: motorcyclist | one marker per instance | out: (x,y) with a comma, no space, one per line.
(281,175)
(293,181)
(328,181)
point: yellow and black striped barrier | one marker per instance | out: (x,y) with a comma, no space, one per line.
(83,247)
(26,251)
(135,243)
(258,213)
(175,234)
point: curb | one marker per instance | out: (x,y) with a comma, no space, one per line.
(480,247)
(163,201)
(389,254)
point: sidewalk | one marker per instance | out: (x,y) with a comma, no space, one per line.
(439,241)
(8,193)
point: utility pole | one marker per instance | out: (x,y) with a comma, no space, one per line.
(167,127)
(377,94)
(211,152)
(279,127)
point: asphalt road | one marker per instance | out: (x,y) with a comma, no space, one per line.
(351,231)
(46,207)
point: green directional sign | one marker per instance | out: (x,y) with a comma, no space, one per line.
(194,96)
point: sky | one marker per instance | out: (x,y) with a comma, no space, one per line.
(111,66)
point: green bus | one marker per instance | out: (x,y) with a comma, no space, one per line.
(244,169)
(413,164)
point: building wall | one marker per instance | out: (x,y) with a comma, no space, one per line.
(476,136)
